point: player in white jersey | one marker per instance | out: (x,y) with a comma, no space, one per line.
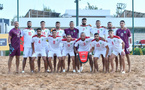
(68,50)
(117,48)
(110,27)
(54,42)
(101,30)
(84,28)
(38,46)
(45,32)
(84,45)
(60,32)
(28,33)
(98,29)
(99,47)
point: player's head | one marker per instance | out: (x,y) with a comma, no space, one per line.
(16,24)
(71,24)
(42,23)
(54,33)
(84,21)
(122,23)
(38,31)
(29,24)
(109,25)
(68,36)
(111,33)
(96,36)
(98,23)
(83,36)
(57,24)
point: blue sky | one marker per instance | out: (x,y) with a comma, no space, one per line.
(10,6)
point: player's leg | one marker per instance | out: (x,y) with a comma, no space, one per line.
(123,61)
(120,62)
(25,55)
(50,55)
(116,61)
(91,62)
(63,64)
(55,57)
(10,63)
(39,63)
(78,62)
(59,63)
(96,64)
(73,63)
(113,55)
(128,61)
(103,62)
(32,64)
(68,62)
(17,63)
(45,63)
(30,57)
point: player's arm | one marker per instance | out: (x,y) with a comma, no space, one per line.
(9,41)
(92,49)
(75,47)
(33,50)
(107,51)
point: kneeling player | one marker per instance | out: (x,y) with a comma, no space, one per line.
(84,45)
(117,48)
(39,49)
(68,50)
(99,47)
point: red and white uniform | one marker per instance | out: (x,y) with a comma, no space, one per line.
(114,31)
(39,45)
(115,45)
(54,44)
(84,45)
(28,34)
(68,47)
(86,29)
(99,47)
(100,30)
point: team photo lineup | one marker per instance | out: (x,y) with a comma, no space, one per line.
(56,46)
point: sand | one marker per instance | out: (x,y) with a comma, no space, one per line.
(85,80)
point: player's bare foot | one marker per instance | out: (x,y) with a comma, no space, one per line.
(68,70)
(112,71)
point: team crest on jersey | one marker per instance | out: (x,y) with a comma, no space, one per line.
(100,42)
(57,40)
(70,43)
(42,39)
(86,41)
(45,30)
(74,31)
(124,31)
(114,40)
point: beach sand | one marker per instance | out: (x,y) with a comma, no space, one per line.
(135,80)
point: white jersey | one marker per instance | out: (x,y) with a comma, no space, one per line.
(54,43)
(28,34)
(45,32)
(84,45)
(100,30)
(59,32)
(114,31)
(115,43)
(39,43)
(99,45)
(86,29)
(68,46)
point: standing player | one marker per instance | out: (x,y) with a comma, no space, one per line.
(74,34)
(84,28)
(117,48)
(27,33)
(38,47)
(110,27)
(45,32)
(99,47)
(14,45)
(59,32)
(69,50)
(125,35)
(101,31)
(54,42)
(84,45)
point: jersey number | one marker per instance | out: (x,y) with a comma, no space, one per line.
(112,43)
(53,42)
(57,33)
(98,31)
(43,33)
(98,45)
(39,41)
(29,33)
(84,44)
(68,45)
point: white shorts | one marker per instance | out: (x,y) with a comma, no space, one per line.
(116,52)
(41,53)
(64,53)
(27,52)
(51,53)
(98,53)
